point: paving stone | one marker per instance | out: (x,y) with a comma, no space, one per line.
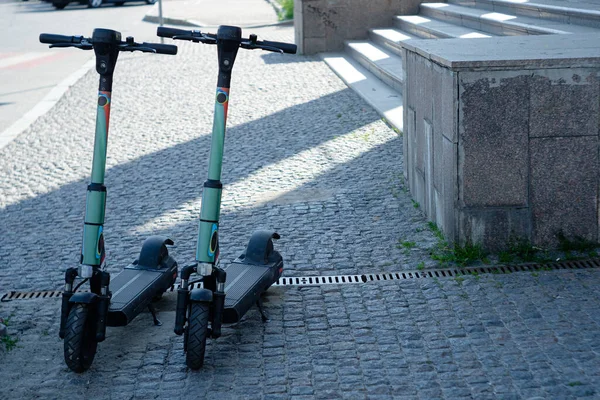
(327,184)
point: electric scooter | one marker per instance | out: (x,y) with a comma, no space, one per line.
(85,315)
(227,293)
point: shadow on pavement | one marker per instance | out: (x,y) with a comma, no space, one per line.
(40,237)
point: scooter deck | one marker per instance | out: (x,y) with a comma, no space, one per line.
(133,290)
(244,285)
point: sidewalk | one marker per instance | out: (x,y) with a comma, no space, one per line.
(306,156)
(212,13)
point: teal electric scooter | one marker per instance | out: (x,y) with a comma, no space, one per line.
(229,292)
(85,315)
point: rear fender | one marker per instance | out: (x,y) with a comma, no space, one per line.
(260,249)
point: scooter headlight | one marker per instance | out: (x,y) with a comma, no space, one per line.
(86,271)
(205,269)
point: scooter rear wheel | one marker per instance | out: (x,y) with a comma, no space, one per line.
(80,342)
(196,333)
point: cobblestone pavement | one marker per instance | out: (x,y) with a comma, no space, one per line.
(304,156)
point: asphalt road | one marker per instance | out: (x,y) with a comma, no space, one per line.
(29,69)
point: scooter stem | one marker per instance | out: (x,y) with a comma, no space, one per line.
(207,249)
(106,50)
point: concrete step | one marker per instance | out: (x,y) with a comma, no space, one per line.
(391,39)
(385,100)
(558,11)
(382,63)
(497,23)
(432,28)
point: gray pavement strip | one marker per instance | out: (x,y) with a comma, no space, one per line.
(365,278)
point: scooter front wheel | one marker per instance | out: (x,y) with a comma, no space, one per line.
(196,333)
(80,342)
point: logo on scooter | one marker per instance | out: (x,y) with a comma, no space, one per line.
(221,96)
(100,248)
(214,241)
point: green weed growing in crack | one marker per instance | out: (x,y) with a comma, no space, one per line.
(415,203)
(392,127)
(461,255)
(522,248)
(9,342)
(421,266)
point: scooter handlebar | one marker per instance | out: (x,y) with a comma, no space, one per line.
(161,48)
(51,38)
(288,48)
(170,32)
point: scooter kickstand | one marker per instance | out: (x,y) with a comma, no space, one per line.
(263,314)
(153,312)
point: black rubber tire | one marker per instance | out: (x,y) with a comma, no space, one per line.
(80,338)
(59,6)
(91,4)
(119,3)
(196,333)
(151,1)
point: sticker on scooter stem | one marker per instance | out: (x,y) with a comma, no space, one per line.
(214,241)
(100,249)
(223,99)
(104,102)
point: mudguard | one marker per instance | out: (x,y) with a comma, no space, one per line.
(154,252)
(84,298)
(201,295)
(260,248)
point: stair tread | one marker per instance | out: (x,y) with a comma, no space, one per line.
(387,61)
(380,96)
(557,6)
(507,19)
(452,30)
(394,35)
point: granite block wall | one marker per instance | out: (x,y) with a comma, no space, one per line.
(497,155)
(324,25)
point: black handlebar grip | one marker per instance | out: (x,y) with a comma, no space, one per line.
(161,31)
(162,48)
(286,47)
(51,38)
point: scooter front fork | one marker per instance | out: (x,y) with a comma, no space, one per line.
(70,276)
(219,275)
(99,283)
(214,284)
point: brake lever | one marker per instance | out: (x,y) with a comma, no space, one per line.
(252,46)
(136,48)
(82,46)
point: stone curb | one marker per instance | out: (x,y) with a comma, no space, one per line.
(41,108)
(152,16)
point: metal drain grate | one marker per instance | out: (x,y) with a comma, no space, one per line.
(365,278)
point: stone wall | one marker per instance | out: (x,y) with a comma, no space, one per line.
(499,147)
(323,25)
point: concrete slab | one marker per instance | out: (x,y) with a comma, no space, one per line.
(522,52)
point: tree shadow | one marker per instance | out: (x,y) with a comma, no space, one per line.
(41,236)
